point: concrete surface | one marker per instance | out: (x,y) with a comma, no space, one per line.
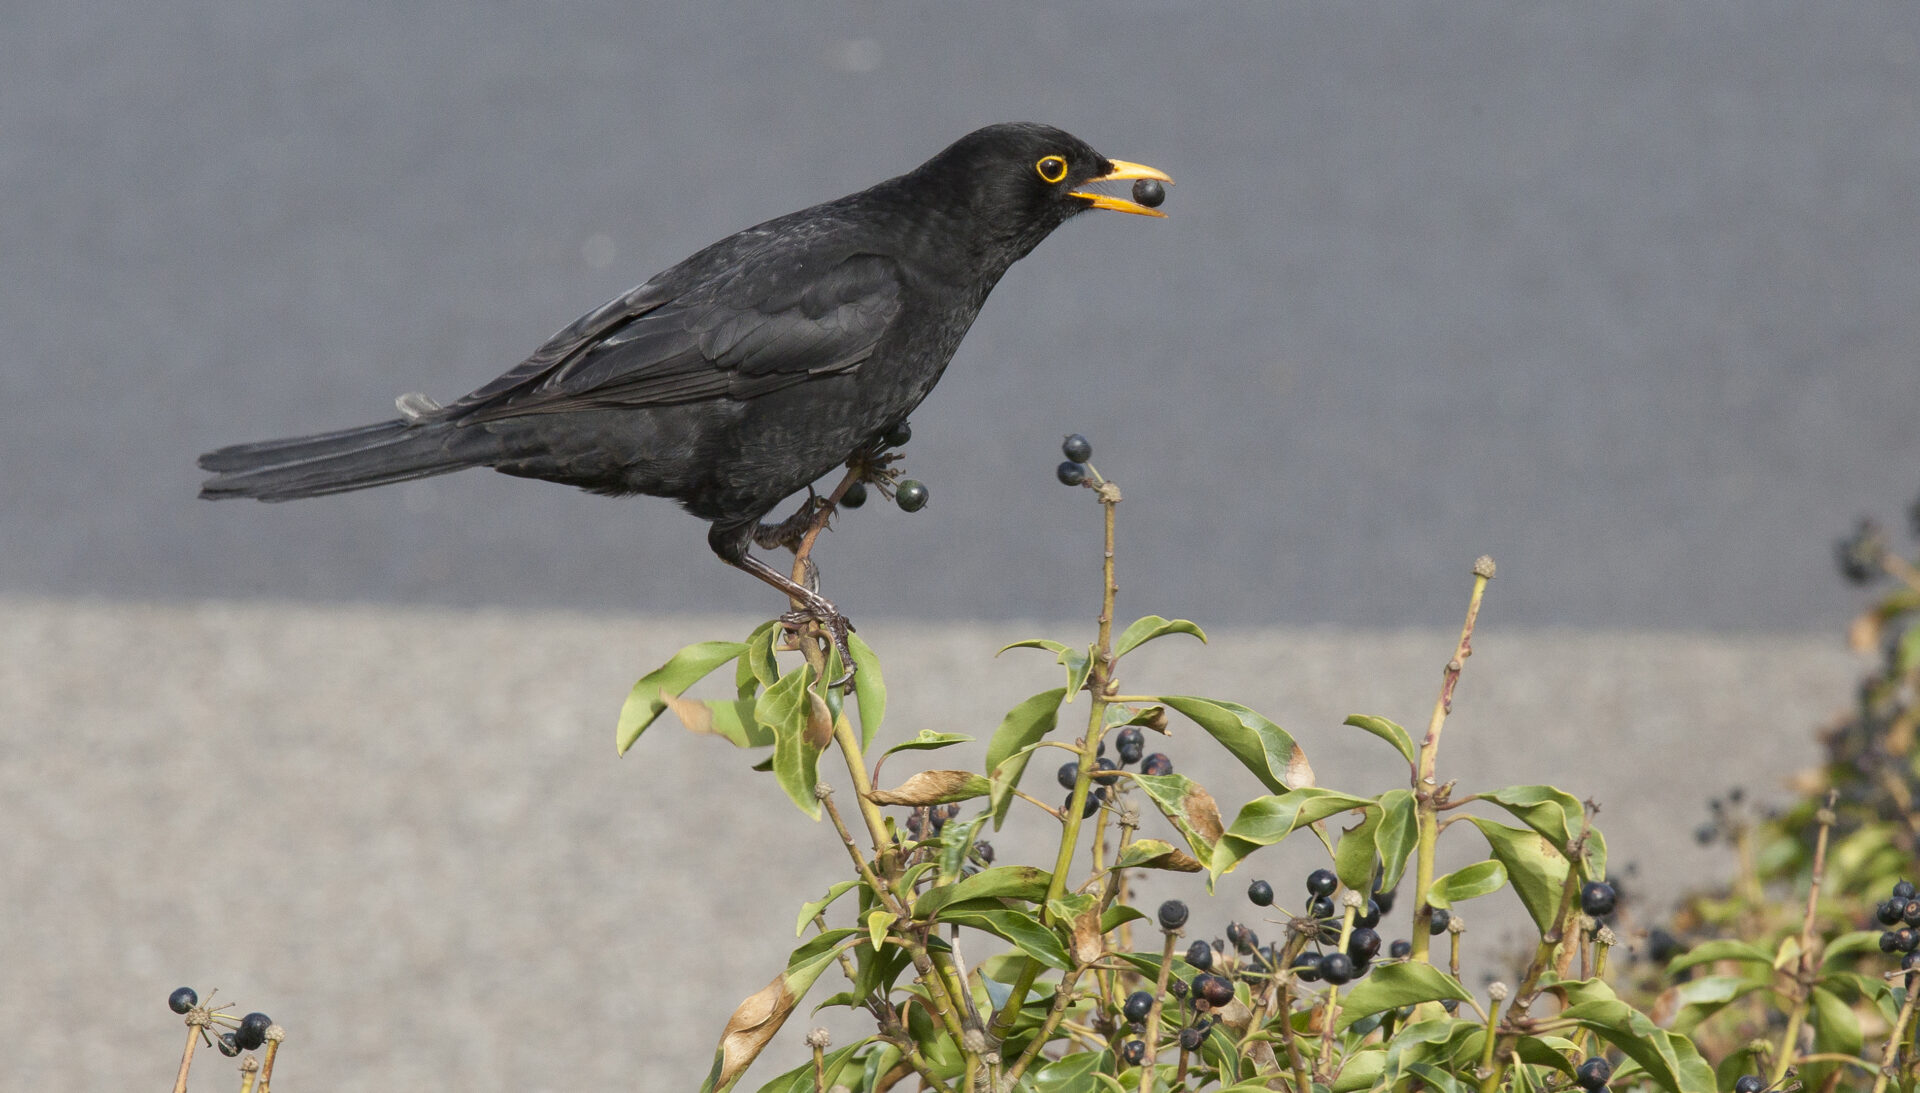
(406,836)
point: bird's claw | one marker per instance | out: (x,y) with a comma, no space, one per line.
(822,613)
(792,531)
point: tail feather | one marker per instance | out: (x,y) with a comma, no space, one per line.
(351,459)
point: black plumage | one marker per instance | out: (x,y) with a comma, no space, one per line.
(748,371)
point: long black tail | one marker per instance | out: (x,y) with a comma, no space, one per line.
(351,459)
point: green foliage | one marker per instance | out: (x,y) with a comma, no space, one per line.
(1790,989)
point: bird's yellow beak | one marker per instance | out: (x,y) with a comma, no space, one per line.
(1124,172)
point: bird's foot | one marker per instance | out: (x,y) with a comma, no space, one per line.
(791,533)
(821,616)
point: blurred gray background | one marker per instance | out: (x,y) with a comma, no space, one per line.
(1621,294)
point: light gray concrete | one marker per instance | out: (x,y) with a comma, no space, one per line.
(405,835)
(1620,293)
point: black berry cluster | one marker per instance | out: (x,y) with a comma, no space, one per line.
(928,822)
(1075,472)
(1900,914)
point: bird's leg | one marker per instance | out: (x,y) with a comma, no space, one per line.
(813,608)
(791,532)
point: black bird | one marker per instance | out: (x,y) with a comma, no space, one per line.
(749,370)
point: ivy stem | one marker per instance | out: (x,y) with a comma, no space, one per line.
(1427,791)
(1805,965)
(1100,685)
(1153,1016)
(1891,1052)
(186,1058)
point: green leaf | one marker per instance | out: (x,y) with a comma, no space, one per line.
(1188,806)
(1534,868)
(956,838)
(1079,662)
(1261,746)
(808,910)
(1019,927)
(1386,730)
(1670,1061)
(1354,854)
(869,689)
(1264,821)
(1392,986)
(1548,1051)
(1478,879)
(1708,952)
(1853,941)
(1072,1074)
(757,667)
(1145,630)
(928,740)
(800,1078)
(1025,725)
(1021,882)
(731,719)
(1358,1070)
(787,708)
(1836,1027)
(1155,854)
(687,667)
(877,923)
(1557,815)
(1397,835)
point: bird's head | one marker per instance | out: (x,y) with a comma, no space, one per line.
(1018,182)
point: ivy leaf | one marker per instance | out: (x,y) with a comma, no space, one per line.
(1708,952)
(1264,821)
(1536,870)
(1025,725)
(869,689)
(928,740)
(1189,807)
(1145,630)
(687,667)
(1397,835)
(1386,730)
(1558,816)
(932,787)
(1078,662)
(1019,927)
(1020,882)
(757,667)
(1071,1074)
(731,720)
(808,910)
(956,839)
(1154,854)
(1261,746)
(1354,854)
(1670,1061)
(1392,986)
(877,923)
(755,1020)
(787,708)
(1478,879)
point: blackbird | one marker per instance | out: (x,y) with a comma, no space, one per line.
(749,370)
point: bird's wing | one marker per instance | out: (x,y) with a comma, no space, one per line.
(754,330)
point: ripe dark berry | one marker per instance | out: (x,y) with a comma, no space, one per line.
(1173,914)
(1261,893)
(1200,955)
(1362,944)
(1320,907)
(1071,473)
(1215,990)
(1749,1083)
(1242,938)
(1400,949)
(1906,939)
(1306,967)
(1131,743)
(1910,961)
(910,495)
(1336,968)
(1190,1038)
(1322,882)
(1138,1005)
(1156,763)
(1593,1073)
(855,496)
(1108,771)
(1910,912)
(1368,918)
(1076,448)
(1134,1052)
(898,436)
(1385,901)
(1663,946)
(1069,774)
(1888,913)
(1149,192)
(182,1000)
(984,851)
(1597,898)
(1092,806)
(228,1046)
(1889,942)
(1903,890)
(252,1031)
(1437,925)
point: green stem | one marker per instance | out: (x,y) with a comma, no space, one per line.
(1153,1015)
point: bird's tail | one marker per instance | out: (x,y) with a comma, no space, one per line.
(351,459)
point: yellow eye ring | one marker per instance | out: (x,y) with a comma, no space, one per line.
(1051,169)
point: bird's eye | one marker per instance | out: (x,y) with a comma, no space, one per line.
(1051,169)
